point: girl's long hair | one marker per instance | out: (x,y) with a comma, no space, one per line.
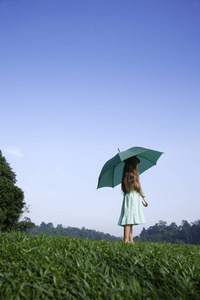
(130,179)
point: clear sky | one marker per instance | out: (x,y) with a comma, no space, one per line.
(81,78)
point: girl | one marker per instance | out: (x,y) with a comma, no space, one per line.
(131,212)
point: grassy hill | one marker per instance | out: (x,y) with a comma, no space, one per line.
(57,267)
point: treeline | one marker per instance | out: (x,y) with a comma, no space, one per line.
(72,232)
(186,233)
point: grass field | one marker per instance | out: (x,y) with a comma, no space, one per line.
(56,267)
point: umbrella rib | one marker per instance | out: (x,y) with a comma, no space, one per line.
(147,159)
(113,176)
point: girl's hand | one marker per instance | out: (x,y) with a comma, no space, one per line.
(144,202)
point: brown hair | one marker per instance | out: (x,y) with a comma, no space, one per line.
(130,179)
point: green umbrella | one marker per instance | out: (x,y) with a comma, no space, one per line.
(112,172)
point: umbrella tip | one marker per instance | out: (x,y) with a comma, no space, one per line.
(118,149)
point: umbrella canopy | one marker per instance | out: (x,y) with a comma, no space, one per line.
(112,172)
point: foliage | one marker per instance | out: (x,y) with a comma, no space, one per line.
(57,267)
(160,232)
(25,224)
(72,231)
(11,198)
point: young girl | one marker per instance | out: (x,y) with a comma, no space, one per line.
(131,212)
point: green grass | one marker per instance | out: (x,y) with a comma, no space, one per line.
(56,267)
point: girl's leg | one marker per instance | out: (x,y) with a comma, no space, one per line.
(127,229)
(131,235)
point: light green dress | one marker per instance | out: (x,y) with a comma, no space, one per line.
(131,212)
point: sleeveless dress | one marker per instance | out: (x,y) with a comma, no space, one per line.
(131,212)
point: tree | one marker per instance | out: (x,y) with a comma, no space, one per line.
(185,232)
(25,224)
(11,197)
(195,232)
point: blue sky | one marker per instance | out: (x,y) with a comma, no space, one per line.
(79,79)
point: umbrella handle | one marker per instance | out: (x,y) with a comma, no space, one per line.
(144,202)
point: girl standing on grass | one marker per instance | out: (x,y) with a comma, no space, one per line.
(131,212)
